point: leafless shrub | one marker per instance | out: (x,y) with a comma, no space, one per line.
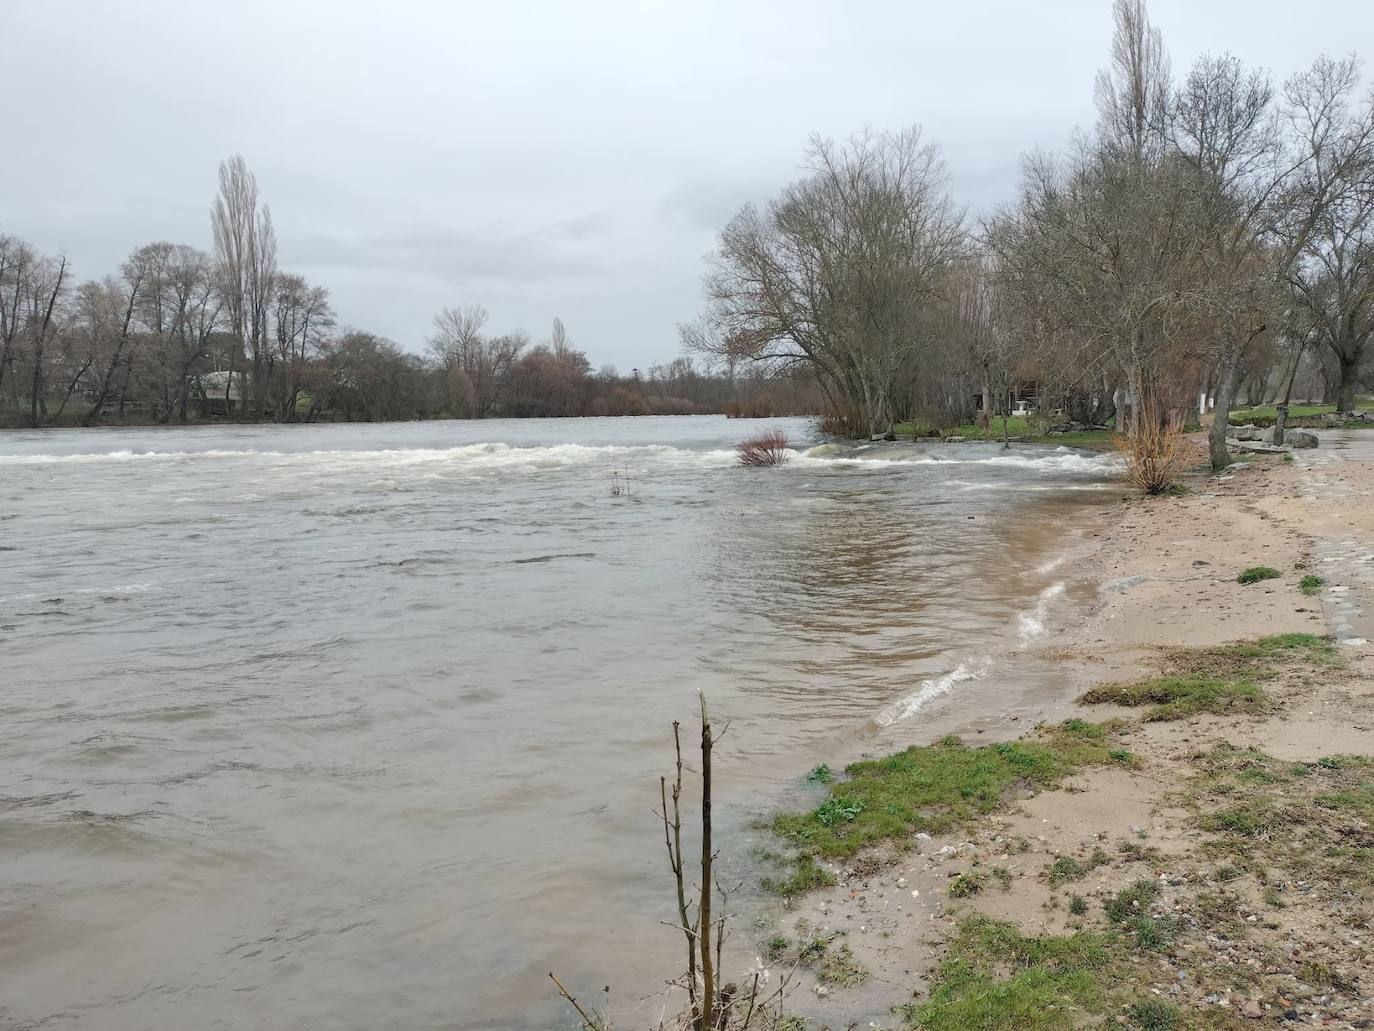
(711,1006)
(767,448)
(1156,452)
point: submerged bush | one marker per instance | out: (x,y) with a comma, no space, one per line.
(767,448)
(1255,574)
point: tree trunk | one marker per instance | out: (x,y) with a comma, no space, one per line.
(1345,386)
(1228,379)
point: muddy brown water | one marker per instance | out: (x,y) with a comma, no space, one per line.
(361,726)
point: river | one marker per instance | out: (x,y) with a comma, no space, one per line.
(360,726)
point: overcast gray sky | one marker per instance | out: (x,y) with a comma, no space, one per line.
(559,158)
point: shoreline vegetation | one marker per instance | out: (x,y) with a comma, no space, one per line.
(1187,843)
(1186,840)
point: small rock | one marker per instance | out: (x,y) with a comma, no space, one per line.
(1251,1010)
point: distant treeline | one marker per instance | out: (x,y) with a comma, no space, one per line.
(180,334)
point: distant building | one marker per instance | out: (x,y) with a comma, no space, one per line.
(217,393)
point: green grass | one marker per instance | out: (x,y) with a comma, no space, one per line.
(1222,679)
(806,875)
(1255,574)
(840,969)
(965,885)
(1310,584)
(934,788)
(1311,819)
(1131,901)
(995,977)
(1173,698)
(1019,429)
(820,775)
(1154,1015)
(1067,868)
(1265,415)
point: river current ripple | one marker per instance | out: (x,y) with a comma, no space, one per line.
(360,726)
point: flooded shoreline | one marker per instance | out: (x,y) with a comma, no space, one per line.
(364,723)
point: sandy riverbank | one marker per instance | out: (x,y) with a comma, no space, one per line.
(1243,850)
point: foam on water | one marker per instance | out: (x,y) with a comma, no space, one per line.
(906,707)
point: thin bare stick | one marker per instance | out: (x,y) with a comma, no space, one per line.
(672,838)
(708,971)
(589,1022)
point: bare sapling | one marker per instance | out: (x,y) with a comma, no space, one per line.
(710,1006)
(767,448)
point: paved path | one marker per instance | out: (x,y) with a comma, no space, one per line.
(1343,554)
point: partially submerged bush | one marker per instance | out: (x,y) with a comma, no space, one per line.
(1255,574)
(767,448)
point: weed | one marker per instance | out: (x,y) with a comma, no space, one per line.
(1310,584)
(820,775)
(776,948)
(1078,905)
(838,810)
(1153,934)
(813,951)
(806,875)
(841,969)
(1002,876)
(1174,697)
(1051,979)
(1255,574)
(962,886)
(1130,900)
(1067,868)
(933,788)
(1153,1015)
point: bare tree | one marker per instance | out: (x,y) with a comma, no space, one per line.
(835,276)
(44,287)
(246,264)
(301,314)
(143,263)
(1223,123)
(478,367)
(1330,225)
(17,260)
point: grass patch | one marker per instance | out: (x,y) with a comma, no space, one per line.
(1067,868)
(820,775)
(965,885)
(1052,980)
(1131,901)
(1312,820)
(806,875)
(1255,574)
(1267,415)
(840,969)
(1154,1015)
(1221,679)
(1310,584)
(934,788)
(1173,698)
(1020,429)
